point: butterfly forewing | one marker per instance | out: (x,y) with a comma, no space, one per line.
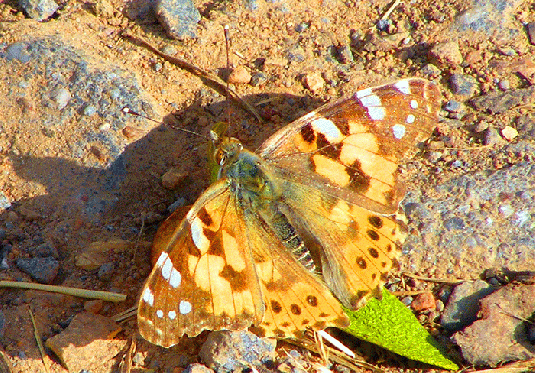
(204,278)
(351,148)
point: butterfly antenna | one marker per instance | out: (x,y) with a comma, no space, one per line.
(227,49)
(127,110)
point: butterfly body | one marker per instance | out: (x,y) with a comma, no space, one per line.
(288,235)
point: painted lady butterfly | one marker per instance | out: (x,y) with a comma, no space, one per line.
(288,235)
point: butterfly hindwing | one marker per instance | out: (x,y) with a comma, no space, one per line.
(358,247)
(295,298)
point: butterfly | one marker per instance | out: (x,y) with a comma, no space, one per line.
(288,235)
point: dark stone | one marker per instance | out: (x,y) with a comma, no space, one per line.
(463,304)
(465,85)
(43,270)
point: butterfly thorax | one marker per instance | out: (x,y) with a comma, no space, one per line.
(252,182)
(248,175)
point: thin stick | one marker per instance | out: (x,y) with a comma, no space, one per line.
(390,10)
(211,80)
(227,47)
(77,292)
(38,339)
(336,343)
(428,279)
(125,314)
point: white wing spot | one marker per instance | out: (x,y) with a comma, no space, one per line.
(328,128)
(410,118)
(175,279)
(414,104)
(399,131)
(161,259)
(363,92)
(148,297)
(159,313)
(167,268)
(370,101)
(403,86)
(199,239)
(377,113)
(172,315)
(184,307)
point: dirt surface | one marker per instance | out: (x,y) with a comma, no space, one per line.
(89,186)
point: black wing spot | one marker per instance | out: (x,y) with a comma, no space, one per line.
(307,133)
(312,300)
(295,309)
(373,252)
(376,221)
(276,306)
(373,234)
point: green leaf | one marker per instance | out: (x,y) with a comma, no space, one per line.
(391,325)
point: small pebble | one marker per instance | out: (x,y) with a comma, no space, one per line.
(383,24)
(258,79)
(301,27)
(447,53)
(509,133)
(90,110)
(430,70)
(172,178)
(424,302)
(453,106)
(314,81)
(504,85)
(105,272)
(239,75)
(61,96)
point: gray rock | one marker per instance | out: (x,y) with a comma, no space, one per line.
(463,304)
(43,270)
(491,17)
(453,106)
(446,247)
(226,351)
(39,10)
(530,27)
(178,17)
(45,250)
(105,272)
(461,84)
(197,368)
(18,51)
(500,102)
